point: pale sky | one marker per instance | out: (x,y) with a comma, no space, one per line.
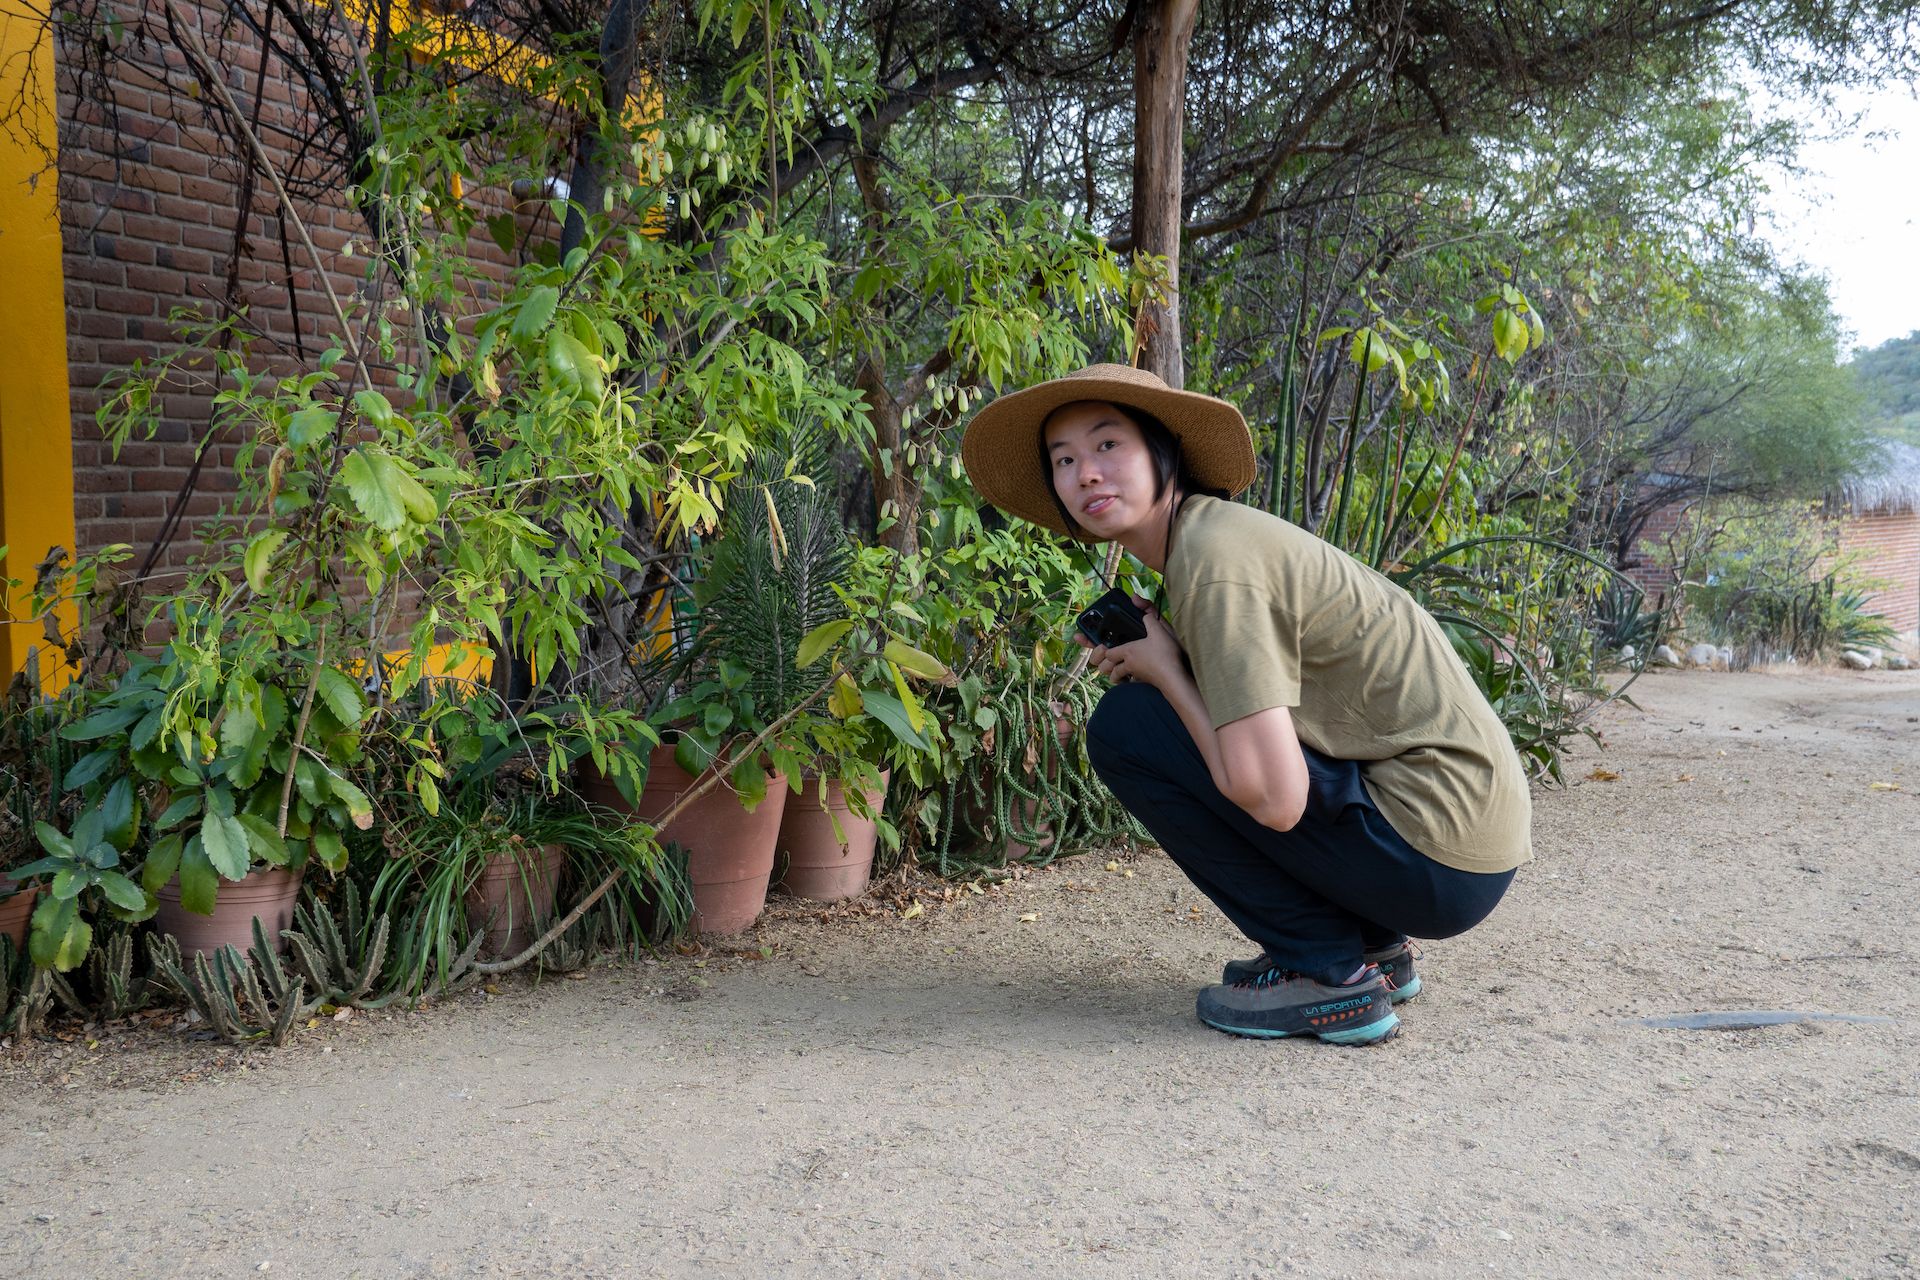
(1855,214)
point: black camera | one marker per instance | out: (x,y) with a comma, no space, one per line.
(1113,619)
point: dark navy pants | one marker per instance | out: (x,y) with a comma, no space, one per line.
(1341,882)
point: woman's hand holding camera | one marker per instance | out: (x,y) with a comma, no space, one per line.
(1154,660)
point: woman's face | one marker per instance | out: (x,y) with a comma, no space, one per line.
(1101,468)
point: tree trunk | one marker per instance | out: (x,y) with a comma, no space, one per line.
(596,158)
(892,478)
(1161,39)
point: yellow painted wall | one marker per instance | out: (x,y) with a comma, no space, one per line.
(36,416)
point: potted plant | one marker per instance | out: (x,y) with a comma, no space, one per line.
(834,816)
(230,765)
(470,879)
(769,579)
(30,768)
(729,830)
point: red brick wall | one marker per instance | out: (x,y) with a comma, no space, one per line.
(149,194)
(1889,549)
(1647,563)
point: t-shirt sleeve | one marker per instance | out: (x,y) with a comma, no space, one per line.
(1245,652)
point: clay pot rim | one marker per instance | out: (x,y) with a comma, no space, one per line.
(11,888)
(809,779)
(523,857)
(170,891)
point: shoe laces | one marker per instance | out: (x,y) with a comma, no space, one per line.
(1276,975)
(1270,977)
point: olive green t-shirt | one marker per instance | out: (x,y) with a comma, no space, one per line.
(1271,616)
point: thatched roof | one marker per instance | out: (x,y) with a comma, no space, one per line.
(1889,488)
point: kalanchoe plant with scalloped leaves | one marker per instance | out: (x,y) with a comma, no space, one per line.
(215,758)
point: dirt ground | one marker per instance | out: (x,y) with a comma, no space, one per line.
(1013,1081)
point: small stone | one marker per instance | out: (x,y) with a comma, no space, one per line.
(1665,656)
(1703,655)
(1858,661)
(1628,652)
(1899,662)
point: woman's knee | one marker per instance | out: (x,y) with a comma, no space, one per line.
(1129,716)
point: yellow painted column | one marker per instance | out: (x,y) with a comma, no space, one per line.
(36,414)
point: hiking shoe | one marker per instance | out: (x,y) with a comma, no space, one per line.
(1280,1002)
(1395,965)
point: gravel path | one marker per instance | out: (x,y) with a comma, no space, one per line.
(970,1093)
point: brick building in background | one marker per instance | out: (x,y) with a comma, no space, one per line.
(144,207)
(1875,519)
(1879,519)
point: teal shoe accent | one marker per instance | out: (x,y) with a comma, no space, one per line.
(1372,1033)
(1257,1033)
(1408,992)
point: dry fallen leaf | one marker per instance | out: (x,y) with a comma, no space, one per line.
(1029,917)
(912,911)
(1883,786)
(1113,866)
(1603,775)
(1128,874)
(1685,777)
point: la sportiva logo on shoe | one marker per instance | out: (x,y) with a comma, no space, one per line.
(1339,1006)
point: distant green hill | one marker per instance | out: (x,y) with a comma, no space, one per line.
(1889,375)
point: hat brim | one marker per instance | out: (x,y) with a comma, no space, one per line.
(1001,449)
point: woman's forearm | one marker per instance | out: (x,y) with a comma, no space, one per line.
(1184,696)
(1261,769)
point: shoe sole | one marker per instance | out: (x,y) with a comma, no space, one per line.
(1372,1033)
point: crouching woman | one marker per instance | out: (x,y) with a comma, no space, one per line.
(1297,733)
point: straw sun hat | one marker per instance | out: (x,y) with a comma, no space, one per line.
(1001,449)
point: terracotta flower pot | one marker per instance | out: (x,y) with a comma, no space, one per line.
(819,865)
(729,851)
(977,818)
(16,909)
(513,898)
(1020,815)
(266,892)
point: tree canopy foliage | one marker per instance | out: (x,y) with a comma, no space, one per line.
(1889,377)
(1474,271)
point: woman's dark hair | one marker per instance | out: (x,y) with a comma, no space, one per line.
(1163,446)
